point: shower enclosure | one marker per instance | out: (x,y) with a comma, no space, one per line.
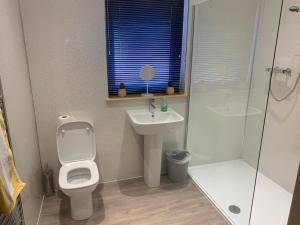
(233,53)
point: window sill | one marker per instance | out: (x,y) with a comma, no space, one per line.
(139,97)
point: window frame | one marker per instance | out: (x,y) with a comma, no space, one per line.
(181,77)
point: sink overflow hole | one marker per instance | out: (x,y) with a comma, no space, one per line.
(234,209)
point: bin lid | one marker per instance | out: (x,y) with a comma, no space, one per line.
(178,156)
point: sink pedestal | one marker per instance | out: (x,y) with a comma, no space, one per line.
(153,125)
(152,159)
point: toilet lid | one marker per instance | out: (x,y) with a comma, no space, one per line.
(75,142)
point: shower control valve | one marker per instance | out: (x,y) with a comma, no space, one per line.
(277,69)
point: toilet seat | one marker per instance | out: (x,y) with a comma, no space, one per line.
(75,142)
(68,167)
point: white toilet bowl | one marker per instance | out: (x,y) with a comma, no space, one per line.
(78,175)
(78,180)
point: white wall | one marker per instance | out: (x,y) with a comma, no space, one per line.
(20,113)
(67,60)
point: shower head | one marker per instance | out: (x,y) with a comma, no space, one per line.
(294,9)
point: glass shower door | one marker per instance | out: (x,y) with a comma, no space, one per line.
(228,95)
(280,152)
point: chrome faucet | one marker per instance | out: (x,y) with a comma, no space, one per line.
(152,106)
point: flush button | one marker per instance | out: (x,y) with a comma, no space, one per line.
(62,133)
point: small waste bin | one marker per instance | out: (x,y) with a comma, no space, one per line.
(178,162)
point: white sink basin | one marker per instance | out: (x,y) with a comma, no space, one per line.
(153,126)
(145,123)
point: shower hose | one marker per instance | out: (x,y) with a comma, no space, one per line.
(288,94)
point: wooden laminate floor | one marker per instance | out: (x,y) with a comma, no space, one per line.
(133,203)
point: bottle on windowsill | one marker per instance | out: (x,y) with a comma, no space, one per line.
(164,105)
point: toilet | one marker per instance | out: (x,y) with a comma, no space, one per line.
(78,175)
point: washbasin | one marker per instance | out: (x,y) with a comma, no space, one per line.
(147,123)
(153,125)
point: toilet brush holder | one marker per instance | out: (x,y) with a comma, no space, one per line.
(48,184)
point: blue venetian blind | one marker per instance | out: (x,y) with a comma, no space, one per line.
(141,32)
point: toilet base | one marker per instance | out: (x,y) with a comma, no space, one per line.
(81,206)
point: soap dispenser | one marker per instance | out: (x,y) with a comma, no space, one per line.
(164,105)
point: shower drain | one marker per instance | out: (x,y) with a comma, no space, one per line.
(234,209)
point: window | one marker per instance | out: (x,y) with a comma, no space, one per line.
(145,32)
